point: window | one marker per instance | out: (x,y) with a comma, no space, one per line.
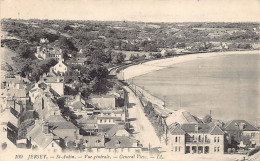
(179,148)
(218,139)
(252,134)
(175,148)
(52,144)
(218,149)
(214,149)
(100,121)
(176,139)
(214,139)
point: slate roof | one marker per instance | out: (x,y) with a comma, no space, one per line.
(231,126)
(63,125)
(40,138)
(8,116)
(181,117)
(121,142)
(190,128)
(177,130)
(55,118)
(111,132)
(104,127)
(13,80)
(94,141)
(216,131)
(77,105)
(13,92)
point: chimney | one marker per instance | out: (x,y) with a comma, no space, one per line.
(78,97)
(58,79)
(196,128)
(45,128)
(241,126)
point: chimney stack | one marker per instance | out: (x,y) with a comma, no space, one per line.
(196,128)
(45,128)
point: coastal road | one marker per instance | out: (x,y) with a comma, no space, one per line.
(143,130)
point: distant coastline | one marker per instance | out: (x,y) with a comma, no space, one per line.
(133,71)
(154,65)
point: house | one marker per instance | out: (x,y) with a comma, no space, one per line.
(195,138)
(118,114)
(11,96)
(123,144)
(13,83)
(56,84)
(94,143)
(103,102)
(76,105)
(238,128)
(44,40)
(90,126)
(45,52)
(163,52)
(62,128)
(37,89)
(77,61)
(8,128)
(45,105)
(40,138)
(181,117)
(117,130)
(60,67)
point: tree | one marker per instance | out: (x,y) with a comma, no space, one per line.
(118,58)
(24,51)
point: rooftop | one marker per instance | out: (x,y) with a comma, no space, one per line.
(234,125)
(121,142)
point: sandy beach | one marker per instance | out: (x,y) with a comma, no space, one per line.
(154,65)
(147,67)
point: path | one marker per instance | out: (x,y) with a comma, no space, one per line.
(143,130)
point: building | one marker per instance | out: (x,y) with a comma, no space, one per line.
(123,144)
(15,98)
(37,89)
(117,130)
(195,138)
(60,68)
(56,84)
(181,117)
(94,143)
(40,138)
(8,128)
(235,129)
(45,105)
(13,83)
(77,104)
(44,52)
(103,102)
(63,129)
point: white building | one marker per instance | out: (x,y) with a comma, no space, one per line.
(60,67)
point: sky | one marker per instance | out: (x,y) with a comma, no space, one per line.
(135,10)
